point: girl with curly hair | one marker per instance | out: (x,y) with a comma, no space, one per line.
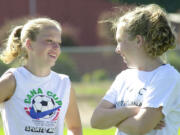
(143,99)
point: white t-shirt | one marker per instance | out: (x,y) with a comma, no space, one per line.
(160,87)
(38,106)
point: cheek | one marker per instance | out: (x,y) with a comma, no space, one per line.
(41,47)
(42,51)
(59,51)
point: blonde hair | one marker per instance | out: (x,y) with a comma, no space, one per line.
(14,46)
(152,24)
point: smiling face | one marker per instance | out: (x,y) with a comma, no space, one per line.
(45,50)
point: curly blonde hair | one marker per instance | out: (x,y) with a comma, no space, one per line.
(151,23)
(15,48)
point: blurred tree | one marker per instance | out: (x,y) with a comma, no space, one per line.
(169,5)
(95,76)
(173,58)
(3,68)
(69,35)
(67,66)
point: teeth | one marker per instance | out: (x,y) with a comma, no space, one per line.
(53,55)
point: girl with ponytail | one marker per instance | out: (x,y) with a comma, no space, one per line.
(36,100)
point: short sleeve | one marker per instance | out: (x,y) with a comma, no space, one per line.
(68,82)
(162,91)
(112,93)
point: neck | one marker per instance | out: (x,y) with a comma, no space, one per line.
(38,70)
(149,64)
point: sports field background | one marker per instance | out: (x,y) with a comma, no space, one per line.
(88,96)
(90,131)
(86,131)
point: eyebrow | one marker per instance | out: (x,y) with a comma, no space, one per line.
(50,38)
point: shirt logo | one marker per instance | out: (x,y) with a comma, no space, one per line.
(43,106)
(36,115)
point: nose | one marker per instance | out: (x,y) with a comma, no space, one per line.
(55,45)
(118,49)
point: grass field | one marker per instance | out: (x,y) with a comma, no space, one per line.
(90,131)
(87,131)
(91,89)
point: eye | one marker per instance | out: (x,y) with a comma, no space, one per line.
(49,41)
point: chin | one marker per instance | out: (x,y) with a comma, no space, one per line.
(51,64)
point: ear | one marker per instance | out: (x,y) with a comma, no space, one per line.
(28,44)
(139,41)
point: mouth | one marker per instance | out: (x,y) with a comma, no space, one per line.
(52,55)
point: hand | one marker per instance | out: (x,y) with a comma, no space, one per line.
(160,125)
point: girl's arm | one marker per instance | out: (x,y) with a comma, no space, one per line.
(106,115)
(146,120)
(72,116)
(7,86)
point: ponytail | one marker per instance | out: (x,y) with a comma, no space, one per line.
(13,46)
(15,51)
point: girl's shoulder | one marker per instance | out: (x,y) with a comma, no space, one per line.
(127,72)
(124,74)
(7,85)
(60,75)
(168,71)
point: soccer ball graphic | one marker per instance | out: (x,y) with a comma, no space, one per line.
(43,103)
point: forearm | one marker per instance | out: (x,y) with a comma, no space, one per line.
(130,126)
(144,122)
(107,117)
(73,117)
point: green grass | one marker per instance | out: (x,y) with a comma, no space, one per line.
(1,131)
(92,88)
(86,131)
(90,131)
